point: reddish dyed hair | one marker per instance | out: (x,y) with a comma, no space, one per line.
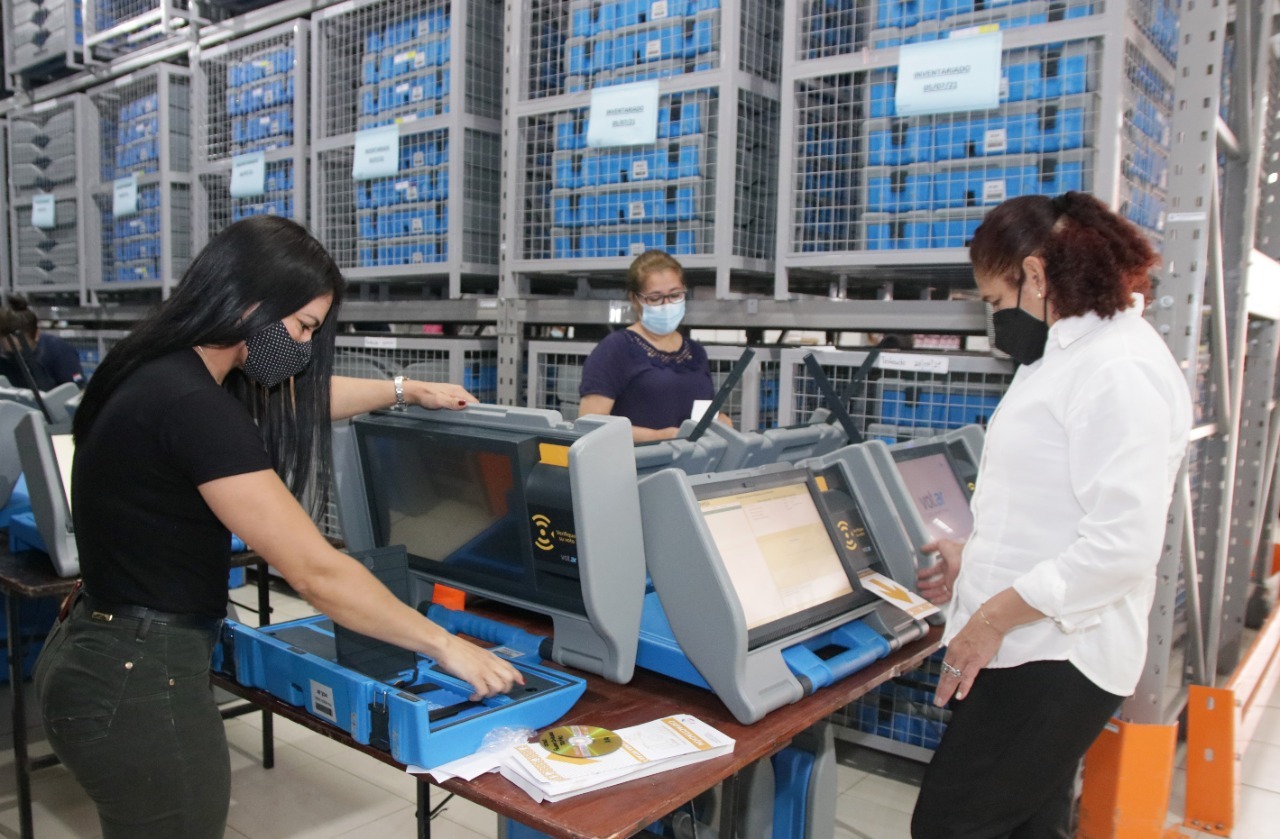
(1094,260)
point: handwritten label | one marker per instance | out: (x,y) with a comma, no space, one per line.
(956,74)
(44,211)
(914,363)
(372,342)
(248,175)
(377,153)
(623,115)
(124,196)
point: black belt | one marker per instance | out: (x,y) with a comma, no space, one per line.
(97,610)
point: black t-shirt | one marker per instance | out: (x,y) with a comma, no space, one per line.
(145,534)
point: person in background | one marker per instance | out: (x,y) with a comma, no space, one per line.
(1048,600)
(19,364)
(649,372)
(212,416)
(56,355)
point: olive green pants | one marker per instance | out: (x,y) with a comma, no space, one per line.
(128,710)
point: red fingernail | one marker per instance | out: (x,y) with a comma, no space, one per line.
(462,403)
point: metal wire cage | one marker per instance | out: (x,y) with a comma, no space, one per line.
(47,165)
(428,68)
(251,98)
(113,28)
(555,375)
(905,396)
(42,39)
(141,134)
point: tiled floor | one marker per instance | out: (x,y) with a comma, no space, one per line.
(319,789)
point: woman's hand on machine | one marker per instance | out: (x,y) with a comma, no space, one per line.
(436,395)
(937,582)
(487,674)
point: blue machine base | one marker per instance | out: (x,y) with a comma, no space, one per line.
(19,502)
(818,661)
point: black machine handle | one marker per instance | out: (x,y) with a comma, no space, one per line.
(835,403)
(722,395)
(29,379)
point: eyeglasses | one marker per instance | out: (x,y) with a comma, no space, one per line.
(659,299)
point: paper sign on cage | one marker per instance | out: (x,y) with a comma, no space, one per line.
(955,74)
(248,175)
(623,115)
(377,153)
(124,195)
(44,214)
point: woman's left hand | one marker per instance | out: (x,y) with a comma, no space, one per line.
(971,650)
(435,395)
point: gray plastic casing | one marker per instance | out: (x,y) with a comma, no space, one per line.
(10,462)
(48,498)
(606,510)
(703,609)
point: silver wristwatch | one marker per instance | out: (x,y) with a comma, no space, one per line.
(400,405)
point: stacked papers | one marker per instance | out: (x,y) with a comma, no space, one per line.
(646,749)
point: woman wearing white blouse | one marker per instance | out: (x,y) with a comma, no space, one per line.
(1048,599)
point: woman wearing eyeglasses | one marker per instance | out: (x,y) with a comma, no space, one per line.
(649,372)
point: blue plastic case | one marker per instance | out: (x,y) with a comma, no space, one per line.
(424,717)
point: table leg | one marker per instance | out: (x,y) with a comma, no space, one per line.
(264,618)
(424,810)
(729,815)
(21,761)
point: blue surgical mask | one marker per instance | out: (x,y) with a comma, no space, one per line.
(664,319)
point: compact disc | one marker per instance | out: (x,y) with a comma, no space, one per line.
(580,741)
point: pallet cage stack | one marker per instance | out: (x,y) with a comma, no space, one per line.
(555,374)
(251,113)
(116,27)
(142,125)
(860,179)
(48,210)
(577,208)
(428,71)
(42,39)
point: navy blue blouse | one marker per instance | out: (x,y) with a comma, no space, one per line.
(652,388)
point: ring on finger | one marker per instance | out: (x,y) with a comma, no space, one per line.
(951,669)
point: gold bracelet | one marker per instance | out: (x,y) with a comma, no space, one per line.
(983,615)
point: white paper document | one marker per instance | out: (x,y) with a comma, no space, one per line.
(657,746)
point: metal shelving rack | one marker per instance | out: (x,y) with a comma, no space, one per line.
(113,28)
(867,195)
(426,66)
(574,211)
(42,38)
(46,157)
(251,96)
(141,126)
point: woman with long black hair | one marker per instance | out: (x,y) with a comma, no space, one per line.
(212,416)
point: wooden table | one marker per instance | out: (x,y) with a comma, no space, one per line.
(626,809)
(29,575)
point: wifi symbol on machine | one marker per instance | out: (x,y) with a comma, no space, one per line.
(542,532)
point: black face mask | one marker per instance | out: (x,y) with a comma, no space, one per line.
(274,356)
(1019,333)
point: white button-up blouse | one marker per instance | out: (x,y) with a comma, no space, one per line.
(1072,496)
